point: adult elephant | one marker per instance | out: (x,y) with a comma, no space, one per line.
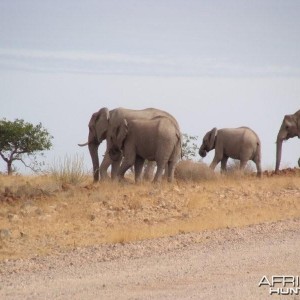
(238,143)
(290,127)
(157,139)
(100,126)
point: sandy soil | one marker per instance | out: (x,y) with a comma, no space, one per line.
(39,217)
(225,263)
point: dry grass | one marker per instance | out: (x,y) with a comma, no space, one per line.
(189,170)
(39,216)
(70,170)
(233,166)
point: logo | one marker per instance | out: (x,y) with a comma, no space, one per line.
(281,284)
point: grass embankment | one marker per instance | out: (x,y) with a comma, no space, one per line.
(40,215)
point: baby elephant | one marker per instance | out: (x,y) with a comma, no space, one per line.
(238,143)
(157,140)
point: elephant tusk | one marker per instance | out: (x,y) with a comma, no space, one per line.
(82,145)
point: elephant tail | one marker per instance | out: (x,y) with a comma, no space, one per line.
(179,137)
(258,149)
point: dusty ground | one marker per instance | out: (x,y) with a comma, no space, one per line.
(188,240)
(226,263)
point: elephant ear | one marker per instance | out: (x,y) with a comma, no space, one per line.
(296,122)
(212,137)
(99,122)
(121,133)
(289,121)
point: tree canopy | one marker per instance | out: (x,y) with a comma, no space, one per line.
(20,140)
(189,146)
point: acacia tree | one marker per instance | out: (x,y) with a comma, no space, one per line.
(189,146)
(20,141)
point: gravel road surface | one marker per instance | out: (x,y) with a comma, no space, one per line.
(219,264)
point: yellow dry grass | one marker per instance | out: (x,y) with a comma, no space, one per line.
(39,216)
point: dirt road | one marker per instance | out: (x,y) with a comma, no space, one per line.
(226,264)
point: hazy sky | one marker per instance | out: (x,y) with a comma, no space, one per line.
(209,63)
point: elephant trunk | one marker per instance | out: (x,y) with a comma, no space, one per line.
(93,148)
(115,154)
(202,152)
(281,136)
(278,153)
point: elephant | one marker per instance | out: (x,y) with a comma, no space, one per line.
(238,143)
(157,139)
(99,126)
(289,128)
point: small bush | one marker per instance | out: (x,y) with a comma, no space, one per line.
(193,171)
(69,170)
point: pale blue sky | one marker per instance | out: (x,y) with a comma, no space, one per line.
(209,63)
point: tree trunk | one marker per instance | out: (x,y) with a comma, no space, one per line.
(9,168)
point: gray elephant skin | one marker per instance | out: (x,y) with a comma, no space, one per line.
(238,143)
(290,127)
(158,139)
(99,130)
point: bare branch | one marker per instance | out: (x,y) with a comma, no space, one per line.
(27,166)
(4,158)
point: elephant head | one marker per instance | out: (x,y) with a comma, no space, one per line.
(290,128)
(98,127)
(115,153)
(208,142)
(118,135)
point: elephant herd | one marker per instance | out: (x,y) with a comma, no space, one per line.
(134,136)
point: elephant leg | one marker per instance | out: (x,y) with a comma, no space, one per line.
(171,169)
(106,162)
(258,166)
(259,171)
(115,166)
(214,163)
(166,173)
(149,170)
(159,171)
(224,164)
(126,164)
(138,167)
(243,164)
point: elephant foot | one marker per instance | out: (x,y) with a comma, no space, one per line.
(123,180)
(105,178)
(157,181)
(170,179)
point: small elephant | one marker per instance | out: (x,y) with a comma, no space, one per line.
(238,143)
(290,127)
(100,126)
(158,139)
